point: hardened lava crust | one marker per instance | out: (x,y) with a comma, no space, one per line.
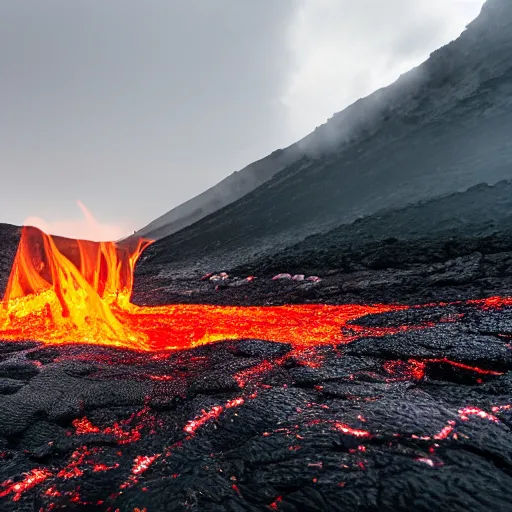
(416,418)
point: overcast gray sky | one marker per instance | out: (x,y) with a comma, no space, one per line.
(133,107)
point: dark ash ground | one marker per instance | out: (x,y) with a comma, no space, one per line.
(419,420)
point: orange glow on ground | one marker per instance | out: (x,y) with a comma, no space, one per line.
(64,291)
(70,291)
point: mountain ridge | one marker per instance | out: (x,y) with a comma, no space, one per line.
(398,107)
(440,129)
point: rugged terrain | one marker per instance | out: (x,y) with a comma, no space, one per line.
(448,248)
(415,412)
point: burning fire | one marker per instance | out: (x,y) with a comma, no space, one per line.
(64,290)
(74,291)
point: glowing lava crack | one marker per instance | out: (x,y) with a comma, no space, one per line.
(74,291)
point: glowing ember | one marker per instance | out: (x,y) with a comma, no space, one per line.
(445,431)
(499,408)
(351,431)
(275,504)
(465,366)
(193,425)
(427,461)
(142,463)
(84,426)
(474,411)
(244,376)
(341,427)
(73,291)
(35,477)
(214,412)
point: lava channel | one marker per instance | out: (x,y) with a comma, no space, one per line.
(63,291)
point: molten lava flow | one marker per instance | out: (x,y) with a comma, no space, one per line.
(74,291)
(62,290)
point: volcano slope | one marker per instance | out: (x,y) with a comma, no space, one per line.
(455,247)
(414,412)
(439,129)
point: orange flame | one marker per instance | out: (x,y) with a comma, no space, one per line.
(58,298)
(74,291)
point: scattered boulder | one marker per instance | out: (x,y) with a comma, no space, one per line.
(282,276)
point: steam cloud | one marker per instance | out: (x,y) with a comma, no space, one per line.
(87,228)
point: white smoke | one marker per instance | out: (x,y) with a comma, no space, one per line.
(86,228)
(345,50)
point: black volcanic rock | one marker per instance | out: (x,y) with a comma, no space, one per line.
(421,416)
(245,426)
(9,238)
(443,249)
(433,231)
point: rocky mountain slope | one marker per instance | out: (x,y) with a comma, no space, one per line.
(441,250)
(440,129)
(228,190)
(477,220)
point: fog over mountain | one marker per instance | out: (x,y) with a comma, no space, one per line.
(442,128)
(337,129)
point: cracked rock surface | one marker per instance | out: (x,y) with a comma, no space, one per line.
(417,419)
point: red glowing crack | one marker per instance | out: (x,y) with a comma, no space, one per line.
(213,413)
(475,411)
(351,431)
(30,480)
